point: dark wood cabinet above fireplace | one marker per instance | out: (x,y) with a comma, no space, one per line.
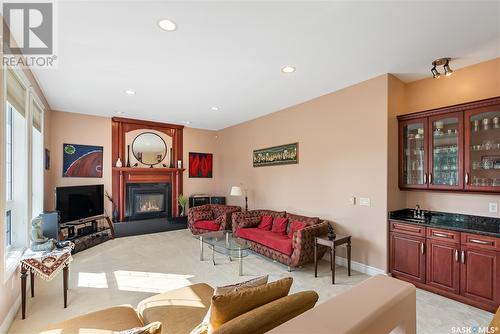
(455,148)
(123,176)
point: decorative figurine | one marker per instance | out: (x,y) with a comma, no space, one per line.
(128,157)
(39,242)
(331,232)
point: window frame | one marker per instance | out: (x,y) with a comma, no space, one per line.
(13,252)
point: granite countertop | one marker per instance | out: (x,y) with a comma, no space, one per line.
(451,221)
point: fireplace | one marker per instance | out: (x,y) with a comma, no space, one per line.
(148,200)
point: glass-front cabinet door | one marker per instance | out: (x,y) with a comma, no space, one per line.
(482,149)
(446,149)
(413,164)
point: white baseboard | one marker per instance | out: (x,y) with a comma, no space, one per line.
(360,267)
(9,318)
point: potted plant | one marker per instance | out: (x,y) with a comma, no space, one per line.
(182,202)
(115,208)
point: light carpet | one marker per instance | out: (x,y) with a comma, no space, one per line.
(127,270)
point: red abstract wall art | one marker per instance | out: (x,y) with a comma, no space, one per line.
(200,165)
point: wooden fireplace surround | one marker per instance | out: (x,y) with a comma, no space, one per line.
(123,175)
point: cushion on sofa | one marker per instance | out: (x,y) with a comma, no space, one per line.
(308,220)
(203,215)
(220,290)
(210,225)
(228,306)
(279,242)
(295,226)
(249,222)
(266,222)
(152,328)
(279,225)
(179,310)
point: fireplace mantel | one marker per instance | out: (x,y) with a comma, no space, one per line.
(124,175)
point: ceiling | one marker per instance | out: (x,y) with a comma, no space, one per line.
(229,54)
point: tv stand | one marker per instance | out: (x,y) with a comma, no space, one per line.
(87,232)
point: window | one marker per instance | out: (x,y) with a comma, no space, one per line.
(8,153)
(36,160)
(8,177)
(8,229)
(23,163)
(23,138)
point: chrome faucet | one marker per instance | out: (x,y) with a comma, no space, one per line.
(418,212)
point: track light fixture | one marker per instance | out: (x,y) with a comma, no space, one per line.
(435,73)
(445,62)
(447,70)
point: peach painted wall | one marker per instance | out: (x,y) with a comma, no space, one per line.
(342,140)
(201,141)
(93,130)
(73,128)
(396,199)
(472,83)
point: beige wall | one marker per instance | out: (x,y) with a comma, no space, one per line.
(396,199)
(472,83)
(73,128)
(202,141)
(342,153)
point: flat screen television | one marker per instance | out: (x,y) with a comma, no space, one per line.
(79,202)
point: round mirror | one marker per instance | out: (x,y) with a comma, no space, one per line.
(149,148)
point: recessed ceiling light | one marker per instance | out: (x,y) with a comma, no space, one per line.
(288,69)
(188,122)
(130,92)
(214,108)
(167,25)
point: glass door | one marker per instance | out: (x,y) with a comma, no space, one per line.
(413,146)
(482,144)
(446,147)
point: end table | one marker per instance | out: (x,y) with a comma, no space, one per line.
(339,240)
(46,265)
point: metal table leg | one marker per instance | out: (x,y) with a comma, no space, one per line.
(213,255)
(201,248)
(240,253)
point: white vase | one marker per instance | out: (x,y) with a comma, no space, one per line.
(119,163)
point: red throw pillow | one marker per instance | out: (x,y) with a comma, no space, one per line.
(296,226)
(279,225)
(265,223)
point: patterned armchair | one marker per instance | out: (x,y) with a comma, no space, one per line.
(293,251)
(210,217)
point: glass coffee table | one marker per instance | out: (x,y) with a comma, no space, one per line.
(223,242)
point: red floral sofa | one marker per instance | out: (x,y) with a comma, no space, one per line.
(210,217)
(289,239)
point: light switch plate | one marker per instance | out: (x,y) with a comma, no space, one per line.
(493,207)
(364,201)
(352,200)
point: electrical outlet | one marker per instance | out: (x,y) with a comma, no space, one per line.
(352,200)
(364,201)
(493,207)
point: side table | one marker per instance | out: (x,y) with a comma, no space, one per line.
(45,265)
(324,241)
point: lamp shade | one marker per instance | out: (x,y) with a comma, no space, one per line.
(236,191)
